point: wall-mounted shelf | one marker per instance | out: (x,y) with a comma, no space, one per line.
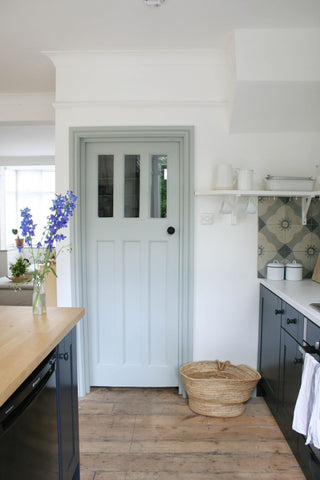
(234,196)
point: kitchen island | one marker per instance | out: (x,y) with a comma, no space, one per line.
(26,341)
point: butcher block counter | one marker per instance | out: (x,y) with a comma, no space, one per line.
(26,339)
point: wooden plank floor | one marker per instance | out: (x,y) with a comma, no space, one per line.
(151,434)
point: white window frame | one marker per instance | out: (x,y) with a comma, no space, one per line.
(23,161)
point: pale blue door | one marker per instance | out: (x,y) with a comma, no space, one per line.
(132,262)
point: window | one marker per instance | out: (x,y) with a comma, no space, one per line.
(25,186)
(105,185)
(132,186)
(159,174)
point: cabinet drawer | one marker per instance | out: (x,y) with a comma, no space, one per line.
(292,322)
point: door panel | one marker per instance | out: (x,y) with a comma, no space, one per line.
(158,302)
(105,301)
(132,197)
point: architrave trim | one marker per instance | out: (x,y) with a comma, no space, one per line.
(79,136)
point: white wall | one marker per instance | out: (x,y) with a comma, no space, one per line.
(18,141)
(26,108)
(275,80)
(226,285)
(278,55)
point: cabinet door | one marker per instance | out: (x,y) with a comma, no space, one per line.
(68,428)
(313,333)
(270,317)
(291,371)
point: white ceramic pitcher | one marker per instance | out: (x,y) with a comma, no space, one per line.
(223,177)
(245,178)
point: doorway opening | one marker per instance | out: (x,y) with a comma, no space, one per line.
(81,139)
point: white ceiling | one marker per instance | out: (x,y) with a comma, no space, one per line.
(29,27)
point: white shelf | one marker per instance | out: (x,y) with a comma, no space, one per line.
(234,196)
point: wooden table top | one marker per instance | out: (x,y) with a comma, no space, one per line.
(26,339)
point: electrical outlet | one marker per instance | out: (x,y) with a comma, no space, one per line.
(206,218)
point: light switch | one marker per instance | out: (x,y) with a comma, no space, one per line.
(206,218)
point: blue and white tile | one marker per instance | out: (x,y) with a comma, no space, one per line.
(297,237)
(293,211)
(271,237)
(270,209)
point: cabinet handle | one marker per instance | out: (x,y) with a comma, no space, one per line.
(278,311)
(64,356)
(308,349)
(297,360)
(291,320)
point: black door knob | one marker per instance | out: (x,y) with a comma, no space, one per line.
(171,230)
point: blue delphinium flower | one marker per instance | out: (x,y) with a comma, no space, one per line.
(62,208)
(61,211)
(27,226)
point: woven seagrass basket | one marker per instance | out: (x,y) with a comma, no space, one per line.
(218,389)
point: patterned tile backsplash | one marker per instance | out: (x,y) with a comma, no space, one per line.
(282,237)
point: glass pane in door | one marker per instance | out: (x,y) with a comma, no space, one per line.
(158,186)
(131,186)
(105,185)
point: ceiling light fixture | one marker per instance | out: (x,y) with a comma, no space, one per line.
(154,3)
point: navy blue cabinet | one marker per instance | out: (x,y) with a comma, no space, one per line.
(291,361)
(67,408)
(280,362)
(313,334)
(269,347)
(290,379)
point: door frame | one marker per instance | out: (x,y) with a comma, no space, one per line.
(79,137)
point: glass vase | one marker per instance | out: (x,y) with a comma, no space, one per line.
(39,301)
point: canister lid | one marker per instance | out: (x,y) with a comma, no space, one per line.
(294,264)
(275,264)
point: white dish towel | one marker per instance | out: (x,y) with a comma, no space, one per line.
(306,417)
(314,423)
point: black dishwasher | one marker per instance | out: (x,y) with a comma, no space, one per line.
(28,428)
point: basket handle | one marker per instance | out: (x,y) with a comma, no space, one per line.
(222,365)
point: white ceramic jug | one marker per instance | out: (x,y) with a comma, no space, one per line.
(245,178)
(223,177)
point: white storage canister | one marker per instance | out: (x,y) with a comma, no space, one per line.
(275,271)
(294,271)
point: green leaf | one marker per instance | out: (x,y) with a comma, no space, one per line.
(53,271)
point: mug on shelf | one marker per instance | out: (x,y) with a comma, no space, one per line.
(223,177)
(244,178)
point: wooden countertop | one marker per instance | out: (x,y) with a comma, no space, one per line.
(26,339)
